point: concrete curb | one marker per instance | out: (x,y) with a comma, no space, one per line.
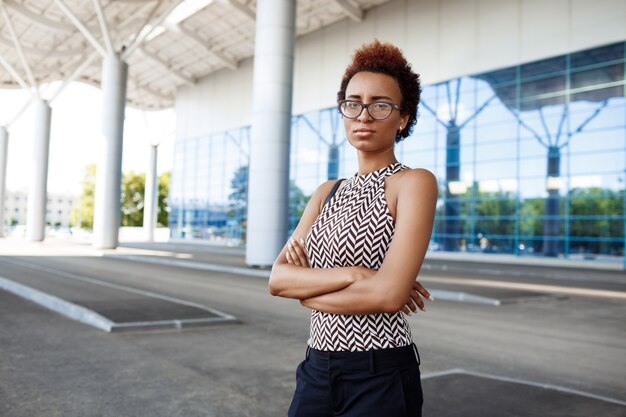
(202,266)
(94,319)
(65,308)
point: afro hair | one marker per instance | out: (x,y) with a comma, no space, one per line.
(385,58)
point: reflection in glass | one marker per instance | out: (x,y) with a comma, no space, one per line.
(530,159)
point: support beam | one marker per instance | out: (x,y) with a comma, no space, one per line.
(81,27)
(38,193)
(82,67)
(227,62)
(103,27)
(354,13)
(38,18)
(268,187)
(4,149)
(22,110)
(150,196)
(14,73)
(141,36)
(18,47)
(107,210)
(185,80)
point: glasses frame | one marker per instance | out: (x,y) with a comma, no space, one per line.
(394,106)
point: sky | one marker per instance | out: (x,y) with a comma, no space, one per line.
(75,135)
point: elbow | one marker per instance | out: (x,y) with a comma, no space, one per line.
(392,303)
(274,285)
(273,290)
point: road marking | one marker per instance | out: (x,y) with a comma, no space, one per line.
(69,309)
(525,382)
(528,287)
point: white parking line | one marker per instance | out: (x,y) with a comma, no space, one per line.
(93,318)
(525,382)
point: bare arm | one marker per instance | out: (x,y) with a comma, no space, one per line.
(387,290)
(300,281)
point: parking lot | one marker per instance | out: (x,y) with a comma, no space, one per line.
(555,347)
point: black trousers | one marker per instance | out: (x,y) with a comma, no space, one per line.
(375,383)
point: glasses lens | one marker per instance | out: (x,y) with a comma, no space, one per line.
(351,109)
(380,110)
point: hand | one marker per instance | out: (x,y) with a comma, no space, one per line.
(415,300)
(296,253)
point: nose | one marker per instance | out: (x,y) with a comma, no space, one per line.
(365,116)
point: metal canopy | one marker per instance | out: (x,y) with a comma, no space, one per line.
(167,44)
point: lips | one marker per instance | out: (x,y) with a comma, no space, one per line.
(363,132)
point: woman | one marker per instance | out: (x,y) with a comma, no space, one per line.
(356,252)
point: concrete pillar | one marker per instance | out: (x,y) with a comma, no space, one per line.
(37,194)
(268,184)
(4,148)
(150,196)
(107,210)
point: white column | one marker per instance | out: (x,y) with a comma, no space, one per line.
(268,186)
(107,210)
(37,194)
(4,148)
(150,196)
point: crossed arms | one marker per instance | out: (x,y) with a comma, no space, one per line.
(355,289)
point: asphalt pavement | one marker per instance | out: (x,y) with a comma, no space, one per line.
(553,346)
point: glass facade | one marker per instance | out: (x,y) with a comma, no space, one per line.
(530,160)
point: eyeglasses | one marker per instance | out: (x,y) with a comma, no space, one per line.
(379,110)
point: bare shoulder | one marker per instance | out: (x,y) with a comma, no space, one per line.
(418,180)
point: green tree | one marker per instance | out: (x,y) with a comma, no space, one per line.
(82,215)
(132,199)
(238,198)
(133,188)
(163,200)
(238,201)
(298,200)
(595,213)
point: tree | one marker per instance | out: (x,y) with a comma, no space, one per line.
(238,201)
(163,201)
(82,215)
(595,218)
(132,199)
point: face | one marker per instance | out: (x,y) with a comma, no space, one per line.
(366,133)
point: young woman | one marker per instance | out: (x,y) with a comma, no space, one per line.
(354,257)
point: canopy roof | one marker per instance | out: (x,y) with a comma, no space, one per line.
(166,43)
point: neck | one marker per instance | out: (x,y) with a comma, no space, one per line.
(370,165)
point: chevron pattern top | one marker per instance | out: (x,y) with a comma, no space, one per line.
(355,228)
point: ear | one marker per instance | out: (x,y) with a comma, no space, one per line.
(404,120)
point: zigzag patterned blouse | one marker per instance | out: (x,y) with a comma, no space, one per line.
(355,227)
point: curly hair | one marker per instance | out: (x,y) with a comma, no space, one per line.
(385,58)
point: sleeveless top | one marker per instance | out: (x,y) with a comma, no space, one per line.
(355,228)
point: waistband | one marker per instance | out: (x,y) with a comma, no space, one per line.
(364,360)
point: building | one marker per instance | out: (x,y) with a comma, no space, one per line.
(58,208)
(523,116)
(522,120)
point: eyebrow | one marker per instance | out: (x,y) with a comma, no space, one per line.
(373,98)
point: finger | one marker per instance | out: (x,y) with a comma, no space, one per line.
(299,252)
(419,288)
(415,297)
(412,305)
(288,256)
(406,310)
(294,255)
(306,255)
